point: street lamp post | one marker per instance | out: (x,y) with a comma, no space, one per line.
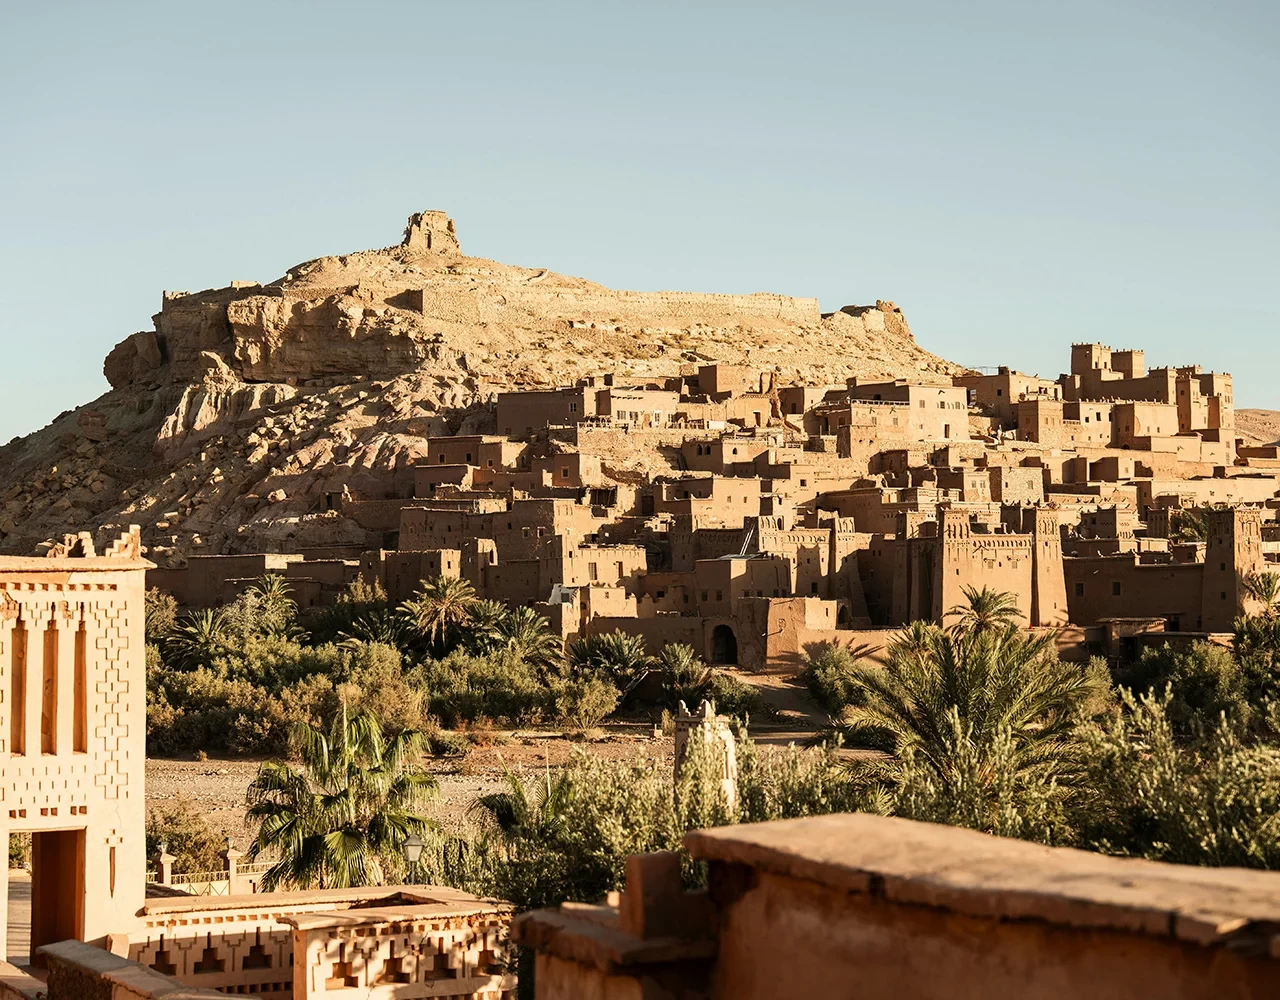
(412,848)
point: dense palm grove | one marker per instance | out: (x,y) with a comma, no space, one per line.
(241,679)
(975,722)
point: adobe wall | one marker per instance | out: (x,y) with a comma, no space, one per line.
(1155,591)
(608,309)
(863,907)
(73,734)
(207,575)
(824,941)
(656,631)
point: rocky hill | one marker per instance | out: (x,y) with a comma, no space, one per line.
(1258,427)
(229,422)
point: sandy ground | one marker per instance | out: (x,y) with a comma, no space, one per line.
(19,942)
(217,787)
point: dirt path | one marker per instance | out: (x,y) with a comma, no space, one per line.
(796,716)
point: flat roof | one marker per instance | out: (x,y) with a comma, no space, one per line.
(981,875)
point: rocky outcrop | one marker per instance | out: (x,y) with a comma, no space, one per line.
(232,424)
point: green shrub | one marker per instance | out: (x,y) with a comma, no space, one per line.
(1204,683)
(567,836)
(735,697)
(374,680)
(194,843)
(19,850)
(1148,796)
(442,742)
(831,675)
(790,783)
(360,612)
(161,614)
(585,702)
(463,688)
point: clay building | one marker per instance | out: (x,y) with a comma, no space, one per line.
(873,496)
(997,394)
(72,734)
(1203,593)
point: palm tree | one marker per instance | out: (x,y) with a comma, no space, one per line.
(350,804)
(1190,525)
(535,811)
(265,608)
(1264,588)
(988,709)
(197,638)
(984,610)
(484,633)
(917,636)
(619,656)
(528,636)
(685,678)
(440,609)
(273,594)
(375,625)
(1257,648)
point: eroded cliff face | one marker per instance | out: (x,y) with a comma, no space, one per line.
(229,422)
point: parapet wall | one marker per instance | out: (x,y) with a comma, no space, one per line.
(879,908)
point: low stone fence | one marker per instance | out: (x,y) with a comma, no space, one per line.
(82,972)
(271,944)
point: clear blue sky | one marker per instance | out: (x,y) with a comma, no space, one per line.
(1015,175)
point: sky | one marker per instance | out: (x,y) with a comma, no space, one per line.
(1016,176)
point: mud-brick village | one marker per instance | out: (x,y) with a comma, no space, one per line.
(418,625)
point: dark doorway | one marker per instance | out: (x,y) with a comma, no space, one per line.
(57,888)
(724,645)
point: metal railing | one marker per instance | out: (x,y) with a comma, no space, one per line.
(212,883)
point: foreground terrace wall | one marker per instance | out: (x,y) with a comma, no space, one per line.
(875,907)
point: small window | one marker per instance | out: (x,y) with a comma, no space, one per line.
(1079,590)
(468,458)
(999,392)
(719,595)
(704,595)
(813,587)
(1115,588)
